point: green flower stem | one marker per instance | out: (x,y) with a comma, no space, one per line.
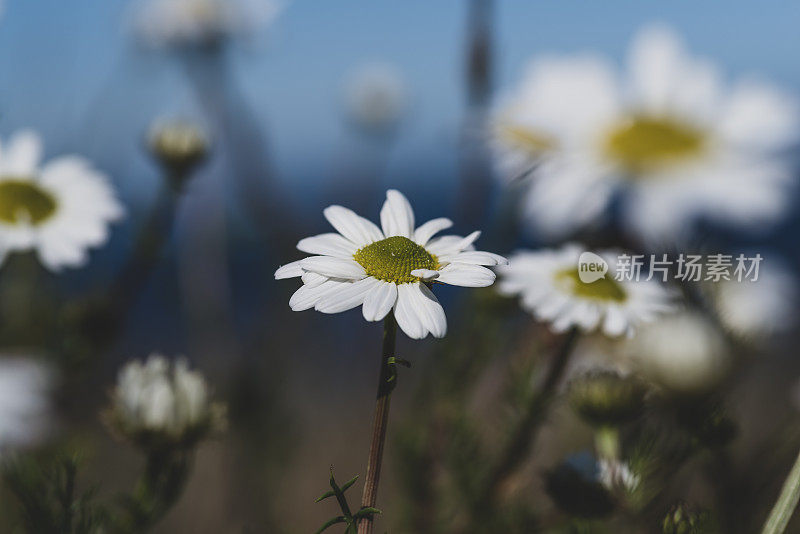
(525,432)
(606,440)
(787,501)
(386,384)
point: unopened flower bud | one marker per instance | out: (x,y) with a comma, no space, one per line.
(178,146)
(606,398)
(158,404)
(682,519)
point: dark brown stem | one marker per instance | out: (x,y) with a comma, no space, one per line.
(516,451)
(386,384)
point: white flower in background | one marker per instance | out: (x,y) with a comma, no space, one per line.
(616,475)
(375,96)
(59,209)
(684,352)
(387,268)
(202,22)
(755,310)
(158,402)
(672,138)
(25,387)
(550,288)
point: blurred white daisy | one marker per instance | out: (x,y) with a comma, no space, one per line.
(202,22)
(387,268)
(375,96)
(59,209)
(157,401)
(550,288)
(679,144)
(756,309)
(616,475)
(25,406)
(683,352)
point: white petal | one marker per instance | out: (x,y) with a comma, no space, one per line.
(759,116)
(351,296)
(328,245)
(449,244)
(425,274)
(424,233)
(405,314)
(379,302)
(474,257)
(334,267)
(615,323)
(290,270)
(397,216)
(351,225)
(463,274)
(307,296)
(430,311)
(23,153)
(313,279)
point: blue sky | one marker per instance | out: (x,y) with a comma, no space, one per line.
(69,69)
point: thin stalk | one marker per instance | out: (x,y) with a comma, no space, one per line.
(386,383)
(516,451)
(787,501)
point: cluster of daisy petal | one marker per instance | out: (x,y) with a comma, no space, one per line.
(388,268)
(162,403)
(668,136)
(59,209)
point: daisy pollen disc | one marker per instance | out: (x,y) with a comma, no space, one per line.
(605,289)
(22,201)
(394,258)
(643,142)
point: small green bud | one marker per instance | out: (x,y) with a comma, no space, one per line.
(178,146)
(606,398)
(682,519)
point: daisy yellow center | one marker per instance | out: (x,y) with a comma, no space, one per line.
(606,289)
(392,259)
(530,140)
(642,142)
(22,201)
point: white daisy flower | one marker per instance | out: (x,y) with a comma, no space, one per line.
(59,209)
(387,268)
(202,22)
(684,352)
(679,144)
(25,386)
(550,288)
(156,401)
(757,309)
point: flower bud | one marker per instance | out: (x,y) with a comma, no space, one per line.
(681,519)
(178,146)
(157,404)
(606,398)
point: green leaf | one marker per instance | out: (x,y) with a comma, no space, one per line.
(366,511)
(330,523)
(325,495)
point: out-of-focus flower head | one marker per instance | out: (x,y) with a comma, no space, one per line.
(576,487)
(387,269)
(201,23)
(671,136)
(178,145)
(59,209)
(606,398)
(754,310)
(685,353)
(375,97)
(617,476)
(550,288)
(25,404)
(161,404)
